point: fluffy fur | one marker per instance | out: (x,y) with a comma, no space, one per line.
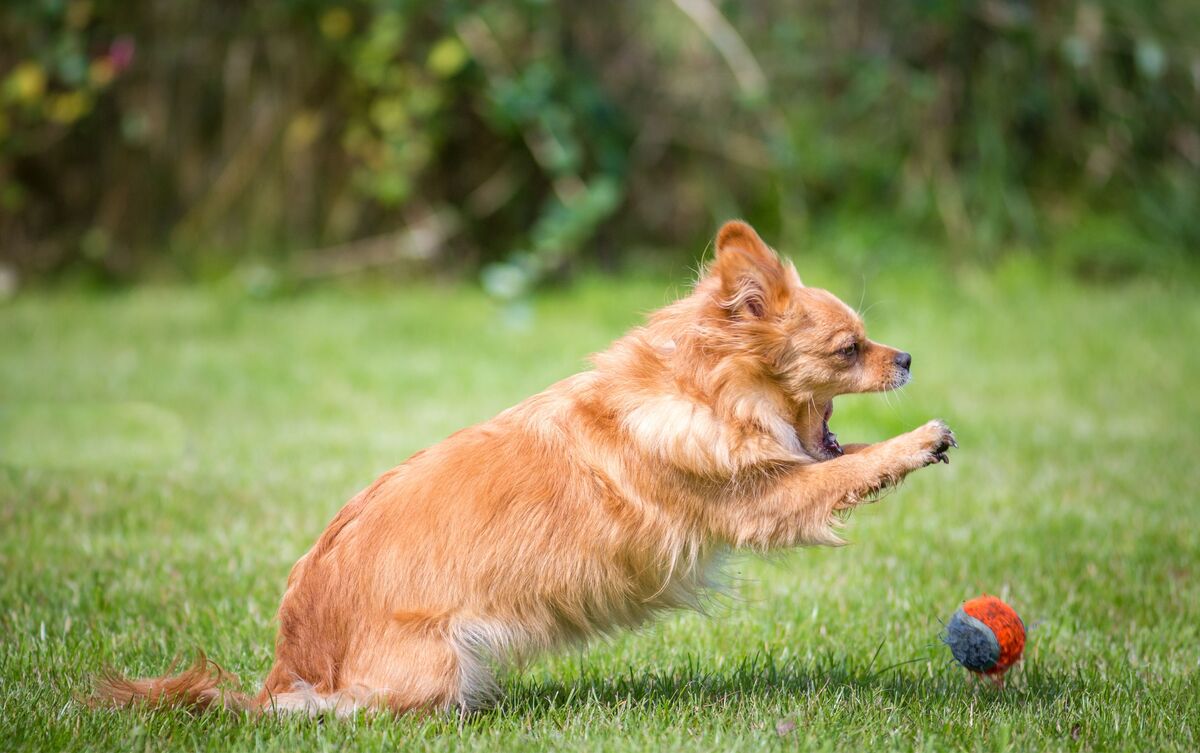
(586,508)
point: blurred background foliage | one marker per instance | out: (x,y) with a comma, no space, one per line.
(520,139)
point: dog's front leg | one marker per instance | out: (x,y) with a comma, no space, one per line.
(797,505)
(850,449)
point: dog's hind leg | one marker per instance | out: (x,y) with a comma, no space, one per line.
(415,662)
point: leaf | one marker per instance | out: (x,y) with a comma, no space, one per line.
(447,57)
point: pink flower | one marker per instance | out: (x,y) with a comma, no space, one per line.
(120,53)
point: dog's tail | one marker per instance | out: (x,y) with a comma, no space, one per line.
(200,687)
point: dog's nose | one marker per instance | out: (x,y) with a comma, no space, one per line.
(904,360)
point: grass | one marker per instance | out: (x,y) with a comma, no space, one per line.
(165,455)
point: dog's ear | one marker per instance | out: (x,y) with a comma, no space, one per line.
(753,280)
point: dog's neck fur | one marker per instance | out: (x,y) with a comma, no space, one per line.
(699,397)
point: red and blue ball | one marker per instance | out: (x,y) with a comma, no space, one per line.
(986,636)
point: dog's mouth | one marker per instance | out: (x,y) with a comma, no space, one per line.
(829,441)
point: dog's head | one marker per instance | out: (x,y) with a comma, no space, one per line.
(808,343)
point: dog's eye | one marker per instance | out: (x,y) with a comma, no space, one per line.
(849,351)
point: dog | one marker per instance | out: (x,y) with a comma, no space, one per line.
(589,507)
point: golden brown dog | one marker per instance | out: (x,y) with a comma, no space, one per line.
(588,507)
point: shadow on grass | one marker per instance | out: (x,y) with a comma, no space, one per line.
(761,678)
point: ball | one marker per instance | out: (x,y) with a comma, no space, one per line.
(986,636)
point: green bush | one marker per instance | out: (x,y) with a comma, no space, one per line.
(522,136)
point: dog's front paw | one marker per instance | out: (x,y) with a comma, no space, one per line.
(933,441)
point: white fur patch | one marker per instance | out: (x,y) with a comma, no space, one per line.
(304,699)
(690,434)
(685,431)
(480,644)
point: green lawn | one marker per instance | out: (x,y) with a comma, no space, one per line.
(166,454)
